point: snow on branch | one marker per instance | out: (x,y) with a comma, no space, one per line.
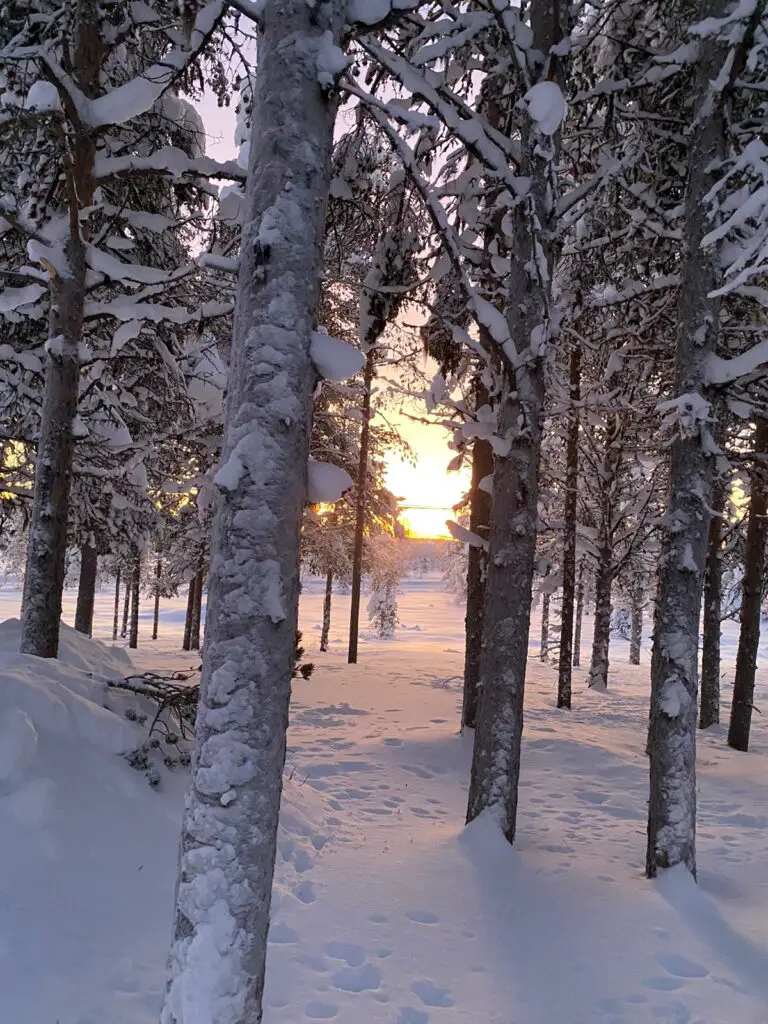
(466,536)
(334,359)
(726,371)
(170,161)
(326,483)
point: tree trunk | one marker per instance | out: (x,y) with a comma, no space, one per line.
(514,514)
(326,612)
(636,627)
(751,598)
(544,650)
(229,833)
(156,613)
(116,620)
(47,546)
(362,475)
(601,638)
(579,618)
(568,657)
(86,589)
(133,636)
(709,701)
(197,613)
(674,661)
(477,571)
(126,606)
(191,598)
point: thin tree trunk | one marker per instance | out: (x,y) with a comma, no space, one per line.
(636,627)
(709,701)
(362,476)
(86,589)
(326,612)
(197,612)
(229,832)
(477,571)
(751,598)
(674,661)
(544,650)
(191,598)
(116,620)
(126,606)
(514,515)
(568,657)
(133,636)
(601,638)
(579,618)
(47,546)
(156,613)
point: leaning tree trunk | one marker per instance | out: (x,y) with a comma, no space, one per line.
(709,700)
(477,571)
(197,613)
(636,626)
(326,612)
(191,598)
(116,619)
(751,597)
(126,607)
(156,611)
(514,515)
(674,661)
(229,833)
(579,619)
(133,636)
(567,657)
(86,589)
(544,649)
(601,638)
(360,490)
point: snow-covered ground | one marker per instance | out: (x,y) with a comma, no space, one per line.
(386,910)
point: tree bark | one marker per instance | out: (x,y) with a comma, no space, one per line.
(191,598)
(86,589)
(116,620)
(477,571)
(601,638)
(579,618)
(709,701)
(568,657)
(126,606)
(514,514)
(362,475)
(636,627)
(47,546)
(229,832)
(751,598)
(544,649)
(674,661)
(156,612)
(326,612)
(197,613)
(133,636)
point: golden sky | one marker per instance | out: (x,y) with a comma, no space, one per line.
(427,483)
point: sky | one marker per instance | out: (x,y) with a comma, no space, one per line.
(427,485)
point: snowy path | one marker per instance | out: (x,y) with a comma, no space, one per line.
(386,911)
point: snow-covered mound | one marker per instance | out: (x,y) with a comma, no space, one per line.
(88,849)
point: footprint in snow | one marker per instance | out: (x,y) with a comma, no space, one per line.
(662,984)
(431,994)
(680,966)
(410,1016)
(365,978)
(392,743)
(422,917)
(321,1011)
(352,954)
(281,935)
